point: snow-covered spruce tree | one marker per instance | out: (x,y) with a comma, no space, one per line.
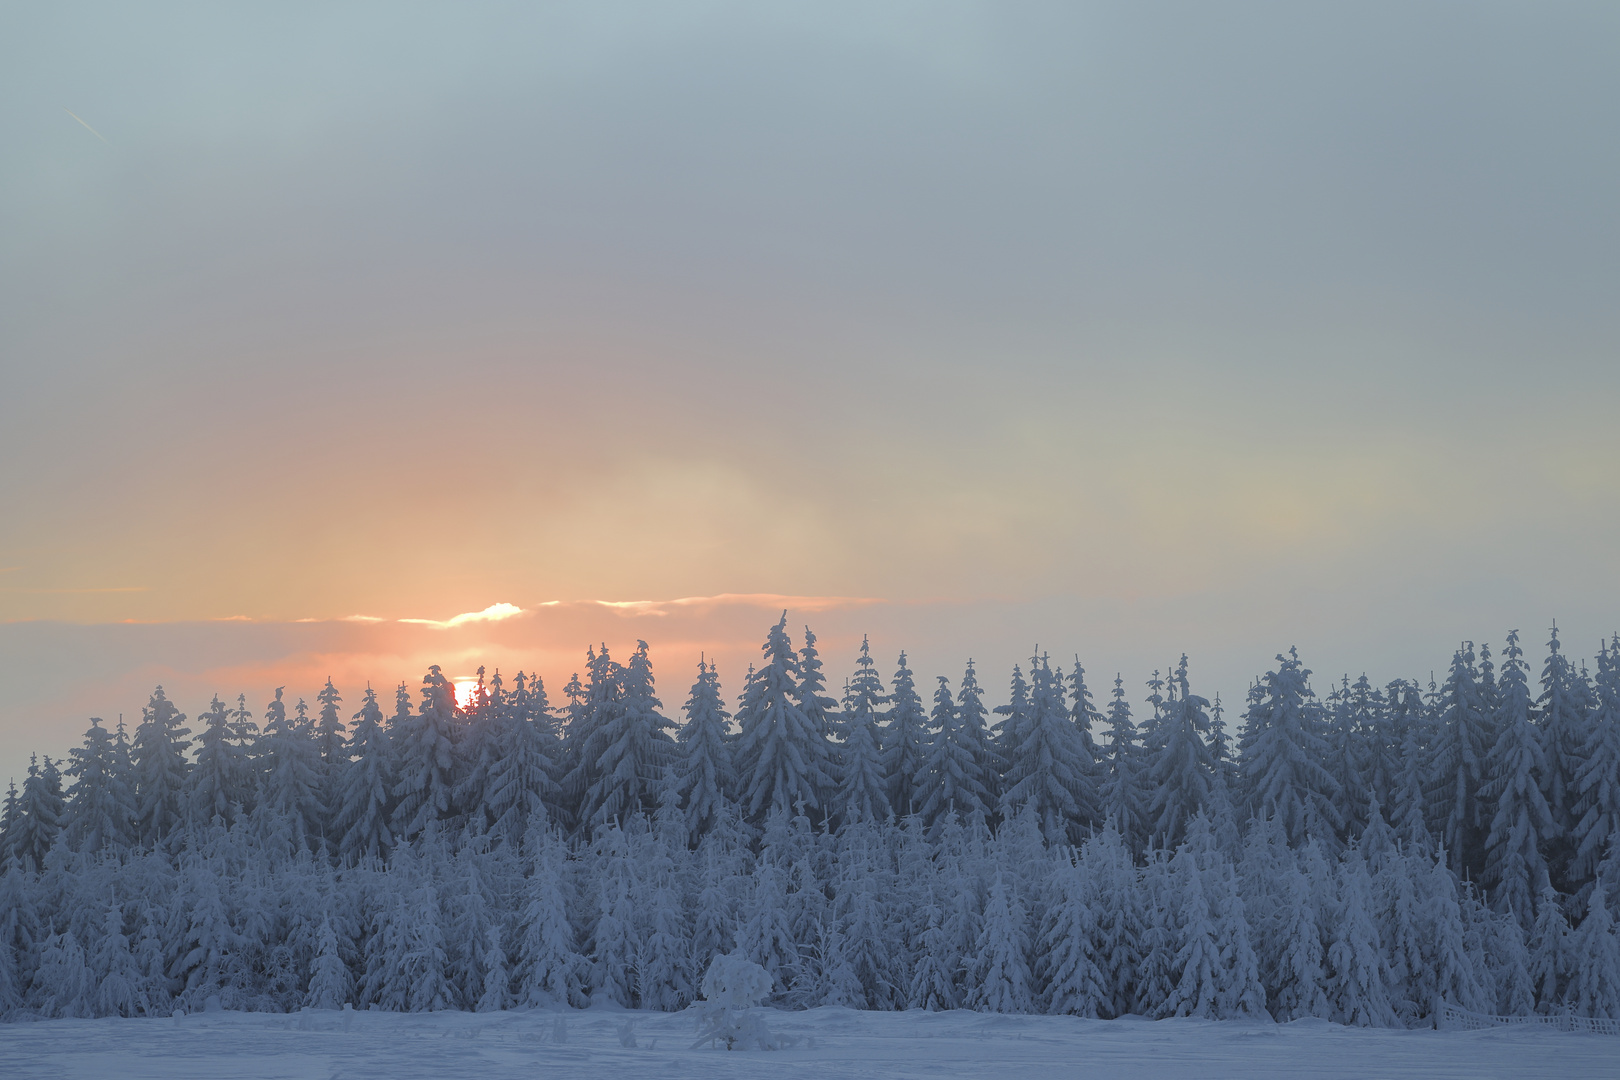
(113,969)
(1181,772)
(1122,798)
(636,748)
(290,773)
(1380,760)
(1347,755)
(1597,806)
(783,762)
(1594,976)
(363,803)
(999,977)
(1048,765)
(973,717)
(664,977)
(766,936)
(158,766)
(1305,908)
(476,750)
(1110,868)
(1083,713)
(521,784)
(1070,965)
(863,907)
(330,983)
(1196,969)
(38,818)
(614,939)
(951,780)
(424,757)
(1561,716)
(1009,730)
(862,793)
(703,775)
(1550,956)
(1408,802)
(100,811)
(591,712)
(1283,753)
(405,952)
(1451,969)
(1515,870)
(904,740)
(1456,764)
(819,709)
(329,733)
(550,970)
(220,775)
(1358,975)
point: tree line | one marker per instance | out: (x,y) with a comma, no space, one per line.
(871,850)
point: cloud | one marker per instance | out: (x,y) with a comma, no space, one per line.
(763,600)
(493,613)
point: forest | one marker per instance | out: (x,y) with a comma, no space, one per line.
(1364,854)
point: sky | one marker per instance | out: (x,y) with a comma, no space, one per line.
(1119,331)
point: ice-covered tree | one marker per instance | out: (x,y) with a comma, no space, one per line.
(550,970)
(1560,715)
(37,821)
(1594,948)
(1087,720)
(290,773)
(635,748)
(158,766)
(219,779)
(782,759)
(364,800)
(904,740)
(1122,798)
(1457,761)
(1181,772)
(424,757)
(1048,763)
(952,776)
(1358,975)
(100,806)
(812,697)
(1597,805)
(862,794)
(329,733)
(1515,869)
(703,774)
(1283,756)
(521,784)
(999,977)
(1071,965)
(1408,800)
(591,711)
(330,983)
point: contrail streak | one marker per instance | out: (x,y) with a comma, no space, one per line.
(87,127)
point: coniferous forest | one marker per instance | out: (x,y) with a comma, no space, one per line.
(1356,851)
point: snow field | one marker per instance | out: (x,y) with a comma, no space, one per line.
(832,1043)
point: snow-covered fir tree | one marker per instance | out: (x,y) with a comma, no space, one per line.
(904,740)
(782,757)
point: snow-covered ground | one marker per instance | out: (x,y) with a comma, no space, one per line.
(832,1043)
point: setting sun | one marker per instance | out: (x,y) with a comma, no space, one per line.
(466,690)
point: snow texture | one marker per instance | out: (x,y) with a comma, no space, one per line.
(831,1043)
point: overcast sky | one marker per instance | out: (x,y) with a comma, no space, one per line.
(1124,330)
